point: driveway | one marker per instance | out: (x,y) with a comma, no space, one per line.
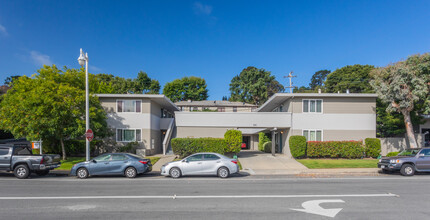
(259,163)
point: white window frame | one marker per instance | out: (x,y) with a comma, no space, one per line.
(141,135)
(309,132)
(135,106)
(309,106)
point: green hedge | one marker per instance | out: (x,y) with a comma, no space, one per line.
(187,146)
(335,149)
(298,146)
(393,154)
(267,147)
(233,140)
(373,147)
(262,139)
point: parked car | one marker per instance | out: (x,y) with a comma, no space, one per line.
(129,165)
(19,158)
(407,162)
(201,164)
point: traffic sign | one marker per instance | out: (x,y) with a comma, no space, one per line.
(89,135)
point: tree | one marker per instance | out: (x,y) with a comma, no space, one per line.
(355,78)
(146,85)
(224,98)
(317,80)
(302,89)
(186,88)
(403,84)
(51,105)
(254,86)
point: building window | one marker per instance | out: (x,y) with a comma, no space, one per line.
(128,135)
(234,109)
(221,109)
(128,106)
(313,135)
(312,105)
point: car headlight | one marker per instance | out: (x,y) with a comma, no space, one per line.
(380,160)
(394,161)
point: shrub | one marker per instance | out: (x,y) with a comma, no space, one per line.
(393,154)
(298,146)
(187,146)
(129,148)
(262,139)
(335,149)
(233,140)
(267,147)
(373,147)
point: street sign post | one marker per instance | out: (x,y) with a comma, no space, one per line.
(89,135)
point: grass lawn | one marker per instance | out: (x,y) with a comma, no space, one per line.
(70,161)
(339,163)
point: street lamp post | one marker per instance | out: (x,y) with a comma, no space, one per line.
(83,60)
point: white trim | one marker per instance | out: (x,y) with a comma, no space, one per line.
(309,106)
(141,135)
(135,106)
(313,129)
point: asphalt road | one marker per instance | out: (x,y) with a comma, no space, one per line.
(239,197)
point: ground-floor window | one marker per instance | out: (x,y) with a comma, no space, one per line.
(128,135)
(313,135)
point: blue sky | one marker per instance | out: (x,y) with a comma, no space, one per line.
(210,39)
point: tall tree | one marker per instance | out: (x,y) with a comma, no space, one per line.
(403,84)
(317,80)
(51,105)
(254,86)
(355,78)
(142,84)
(146,85)
(9,80)
(186,88)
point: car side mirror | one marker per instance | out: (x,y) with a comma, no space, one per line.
(94,161)
(184,161)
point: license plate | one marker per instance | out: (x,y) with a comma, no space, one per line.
(382,166)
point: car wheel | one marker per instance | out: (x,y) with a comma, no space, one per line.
(21,171)
(82,173)
(407,170)
(223,172)
(130,172)
(42,172)
(175,172)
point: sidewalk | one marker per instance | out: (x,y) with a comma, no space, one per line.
(259,163)
(163,159)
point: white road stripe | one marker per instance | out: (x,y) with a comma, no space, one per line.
(198,197)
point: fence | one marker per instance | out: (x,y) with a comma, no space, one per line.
(398,143)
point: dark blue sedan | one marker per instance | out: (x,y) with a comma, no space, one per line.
(129,165)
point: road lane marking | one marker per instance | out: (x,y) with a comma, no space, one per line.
(198,197)
(313,207)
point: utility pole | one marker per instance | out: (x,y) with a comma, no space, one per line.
(290,76)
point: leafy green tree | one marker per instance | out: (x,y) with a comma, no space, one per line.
(355,78)
(9,80)
(51,105)
(403,84)
(317,80)
(254,86)
(303,89)
(142,84)
(146,85)
(186,88)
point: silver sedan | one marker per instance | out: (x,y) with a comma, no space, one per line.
(201,164)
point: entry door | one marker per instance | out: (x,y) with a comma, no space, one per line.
(423,162)
(4,158)
(246,142)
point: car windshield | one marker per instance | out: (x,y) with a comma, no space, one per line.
(408,152)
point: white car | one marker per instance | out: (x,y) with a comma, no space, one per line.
(201,164)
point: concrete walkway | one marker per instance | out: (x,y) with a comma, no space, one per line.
(259,163)
(163,159)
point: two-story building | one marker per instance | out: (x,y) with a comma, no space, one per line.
(142,118)
(152,120)
(317,116)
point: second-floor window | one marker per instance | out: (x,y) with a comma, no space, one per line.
(312,105)
(129,106)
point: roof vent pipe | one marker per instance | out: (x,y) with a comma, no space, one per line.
(347,91)
(319,91)
(189,100)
